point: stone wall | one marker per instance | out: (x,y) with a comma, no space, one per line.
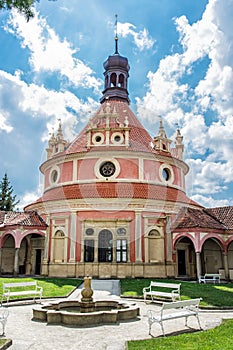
(109,270)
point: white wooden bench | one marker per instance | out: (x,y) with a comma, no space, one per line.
(210,277)
(4,312)
(21,289)
(174,310)
(162,290)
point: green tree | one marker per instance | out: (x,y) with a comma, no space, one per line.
(23,6)
(7,197)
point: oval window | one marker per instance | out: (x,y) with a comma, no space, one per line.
(54,176)
(166,174)
(89,231)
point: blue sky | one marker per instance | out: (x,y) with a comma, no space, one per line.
(181,58)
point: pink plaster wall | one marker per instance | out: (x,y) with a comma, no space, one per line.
(66,172)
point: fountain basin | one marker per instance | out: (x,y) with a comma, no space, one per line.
(70,312)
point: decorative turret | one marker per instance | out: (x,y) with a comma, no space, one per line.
(179,144)
(51,146)
(161,142)
(56,144)
(116,76)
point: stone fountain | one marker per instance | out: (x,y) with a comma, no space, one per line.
(85,312)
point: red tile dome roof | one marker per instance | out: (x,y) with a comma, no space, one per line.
(116,190)
(140,140)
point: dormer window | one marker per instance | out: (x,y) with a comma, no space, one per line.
(98,138)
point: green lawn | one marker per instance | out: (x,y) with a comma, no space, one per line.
(219,338)
(52,287)
(219,295)
(213,295)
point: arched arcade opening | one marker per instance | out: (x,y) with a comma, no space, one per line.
(21,256)
(185,258)
(211,256)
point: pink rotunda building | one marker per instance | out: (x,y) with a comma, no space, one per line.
(109,195)
(114,204)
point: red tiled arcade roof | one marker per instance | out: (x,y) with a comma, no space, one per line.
(223,214)
(190,218)
(27,218)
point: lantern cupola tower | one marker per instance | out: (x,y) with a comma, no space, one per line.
(116,76)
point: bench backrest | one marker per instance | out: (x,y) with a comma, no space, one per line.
(19,284)
(166,285)
(182,303)
(214,275)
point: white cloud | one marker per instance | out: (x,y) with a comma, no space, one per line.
(204,109)
(29,197)
(4,125)
(195,133)
(49,53)
(209,202)
(165,92)
(210,176)
(38,102)
(142,39)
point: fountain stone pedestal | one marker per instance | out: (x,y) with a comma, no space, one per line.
(85,312)
(87,304)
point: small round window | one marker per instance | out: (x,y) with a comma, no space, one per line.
(89,231)
(121,231)
(117,138)
(98,139)
(107,169)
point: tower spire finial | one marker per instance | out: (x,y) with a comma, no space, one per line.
(116,37)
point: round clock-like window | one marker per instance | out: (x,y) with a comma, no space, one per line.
(107,169)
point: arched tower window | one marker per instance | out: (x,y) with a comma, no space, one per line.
(113,79)
(121,82)
(105,244)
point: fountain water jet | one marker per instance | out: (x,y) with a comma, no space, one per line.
(85,312)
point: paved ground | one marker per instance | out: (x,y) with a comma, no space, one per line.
(27,334)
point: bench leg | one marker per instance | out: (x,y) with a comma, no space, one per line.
(3,322)
(150,324)
(161,324)
(198,320)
